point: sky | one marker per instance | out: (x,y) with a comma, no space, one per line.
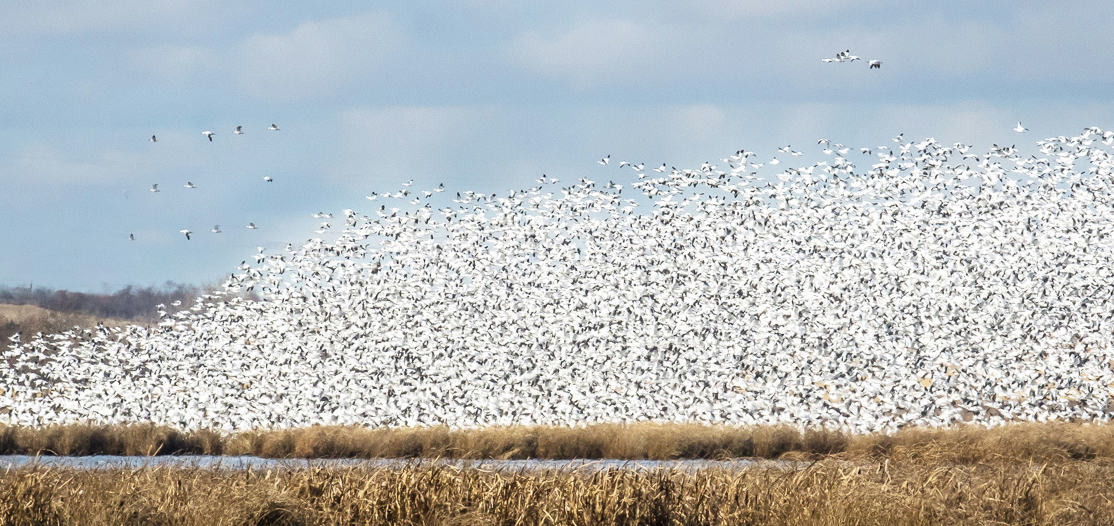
(481,95)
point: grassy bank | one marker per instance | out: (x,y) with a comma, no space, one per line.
(825,493)
(1050,442)
(29,320)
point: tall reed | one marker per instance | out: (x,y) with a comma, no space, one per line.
(829,492)
(963,444)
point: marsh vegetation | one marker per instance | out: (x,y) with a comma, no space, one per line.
(1029,442)
(827,492)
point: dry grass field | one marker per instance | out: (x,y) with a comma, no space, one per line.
(1032,474)
(30,319)
(1039,443)
(828,492)
(52,311)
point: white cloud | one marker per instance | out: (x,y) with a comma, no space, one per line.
(787,61)
(701,120)
(174,63)
(67,17)
(1062,41)
(1057,43)
(316,57)
(94,156)
(596,52)
(755,8)
(393,143)
(958,49)
(38,163)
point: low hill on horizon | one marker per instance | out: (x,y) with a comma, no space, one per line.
(30,311)
(31,319)
(131,302)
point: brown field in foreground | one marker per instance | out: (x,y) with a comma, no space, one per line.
(1031,442)
(829,492)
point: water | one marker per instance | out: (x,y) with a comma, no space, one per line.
(241,463)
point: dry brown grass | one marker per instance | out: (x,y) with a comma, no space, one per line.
(830,492)
(1053,442)
(29,320)
(611,441)
(132,440)
(1050,442)
(31,316)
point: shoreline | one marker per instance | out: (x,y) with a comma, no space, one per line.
(816,493)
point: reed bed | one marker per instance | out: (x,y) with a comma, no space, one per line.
(830,492)
(1048,442)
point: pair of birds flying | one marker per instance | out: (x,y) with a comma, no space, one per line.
(846,56)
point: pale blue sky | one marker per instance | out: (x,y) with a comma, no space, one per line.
(481,94)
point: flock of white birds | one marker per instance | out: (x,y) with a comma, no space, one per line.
(929,286)
(190,186)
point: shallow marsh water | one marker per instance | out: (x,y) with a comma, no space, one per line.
(246,462)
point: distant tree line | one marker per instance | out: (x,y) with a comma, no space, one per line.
(128,303)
